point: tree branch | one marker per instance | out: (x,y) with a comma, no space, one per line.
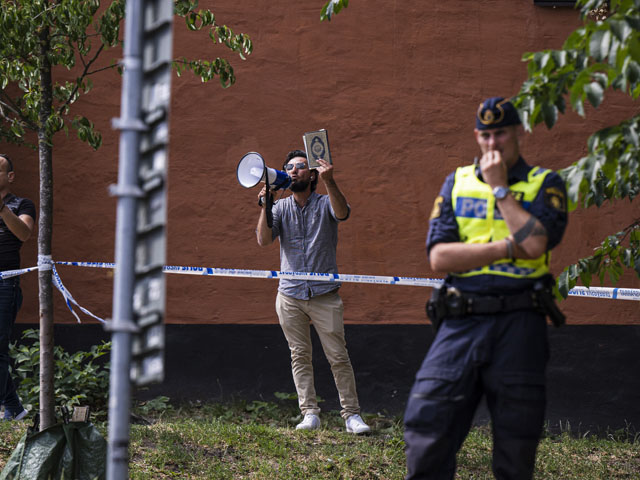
(15,110)
(627,230)
(101,69)
(84,74)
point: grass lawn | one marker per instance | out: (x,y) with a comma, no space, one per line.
(258,441)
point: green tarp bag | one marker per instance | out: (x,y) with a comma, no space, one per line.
(71,451)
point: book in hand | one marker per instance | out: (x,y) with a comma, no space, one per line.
(316,145)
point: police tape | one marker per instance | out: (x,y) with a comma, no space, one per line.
(47,264)
(15,273)
(68,298)
(593,292)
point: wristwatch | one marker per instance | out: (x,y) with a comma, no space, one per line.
(500,192)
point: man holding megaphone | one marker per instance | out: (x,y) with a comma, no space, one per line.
(307,225)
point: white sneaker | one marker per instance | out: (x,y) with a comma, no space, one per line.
(18,416)
(356,425)
(310,422)
(21,415)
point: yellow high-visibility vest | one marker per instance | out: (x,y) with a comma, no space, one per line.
(479,221)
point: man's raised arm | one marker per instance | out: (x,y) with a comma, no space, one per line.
(336,197)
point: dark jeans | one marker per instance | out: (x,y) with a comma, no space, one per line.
(10,303)
(502,357)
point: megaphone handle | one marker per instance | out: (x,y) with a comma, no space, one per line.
(268,211)
(269,199)
(269,202)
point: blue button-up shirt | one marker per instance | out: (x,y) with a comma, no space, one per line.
(308,241)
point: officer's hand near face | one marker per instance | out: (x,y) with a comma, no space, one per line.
(533,244)
(493,168)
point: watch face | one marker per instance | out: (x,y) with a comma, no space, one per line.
(500,192)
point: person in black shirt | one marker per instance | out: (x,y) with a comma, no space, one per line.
(17,219)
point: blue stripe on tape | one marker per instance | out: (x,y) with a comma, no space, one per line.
(593,292)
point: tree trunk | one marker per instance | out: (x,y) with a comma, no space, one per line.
(45,222)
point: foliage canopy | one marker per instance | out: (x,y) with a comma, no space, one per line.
(37,37)
(39,40)
(603,54)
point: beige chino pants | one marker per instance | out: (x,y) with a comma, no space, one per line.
(325,312)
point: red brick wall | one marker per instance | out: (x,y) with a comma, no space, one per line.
(395,84)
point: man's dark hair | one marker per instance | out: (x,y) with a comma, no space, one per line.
(9,162)
(300,153)
(294,154)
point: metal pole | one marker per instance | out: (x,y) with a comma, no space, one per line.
(127,190)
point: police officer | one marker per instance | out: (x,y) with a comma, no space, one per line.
(491,231)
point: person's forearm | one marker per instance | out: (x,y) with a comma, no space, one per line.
(263,233)
(529,235)
(460,257)
(337,199)
(15,224)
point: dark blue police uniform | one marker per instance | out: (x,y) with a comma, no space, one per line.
(501,355)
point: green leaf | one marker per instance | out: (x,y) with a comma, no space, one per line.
(560,58)
(578,106)
(190,21)
(596,45)
(332,7)
(550,115)
(632,72)
(563,284)
(633,21)
(585,278)
(575,40)
(603,39)
(620,29)
(595,93)
(631,135)
(542,59)
(601,78)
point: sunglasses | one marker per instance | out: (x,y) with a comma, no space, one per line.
(299,166)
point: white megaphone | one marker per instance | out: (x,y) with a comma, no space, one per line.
(252,170)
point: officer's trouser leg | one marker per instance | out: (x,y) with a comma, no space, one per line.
(515,390)
(441,404)
(434,431)
(516,433)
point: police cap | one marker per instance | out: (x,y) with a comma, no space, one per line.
(496,112)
